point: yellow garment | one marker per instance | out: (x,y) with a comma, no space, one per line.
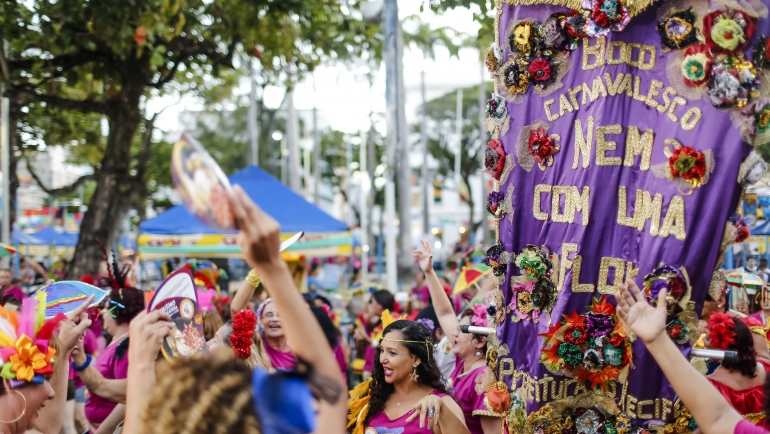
(358,407)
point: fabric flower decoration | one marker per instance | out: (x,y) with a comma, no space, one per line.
(599,325)
(495,204)
(516,78)
(696,66)
(576,334)
(494,59)
(28,360)
(732,82)
(760,54)
(688,163)
(496,109)
(677,331)
(728,31)
(742,231)
(721,328)
(762,120)
(575,24)
(428,323)
(678,30)
(494,259)
(570,353)
(552,31)
(534,263)
(494,158)
(542,146)
(588,422)
(524,302)
(544,295)
(665,276)
(606,15)
(540,71)
(612,355)
(522,37)
(479,318)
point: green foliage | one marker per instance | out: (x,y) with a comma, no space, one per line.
(426,38)
(483,13)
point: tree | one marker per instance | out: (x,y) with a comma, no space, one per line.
(106,58)
(441,115)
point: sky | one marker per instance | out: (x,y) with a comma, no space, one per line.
(342,92)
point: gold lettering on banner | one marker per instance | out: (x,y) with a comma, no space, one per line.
(596,50)
(580,203)
(674,222)
(625,86)
(657,409)
(577,264)
(666,410)
(637,95)
(631,406)
(597,89)
(676,102)
(619,266)
(691,118)
(621,59)
(612,88)
(547,107)
(623,218)
(637,144)
(573,96)
(654,91)
(631,271)
(657,207)
(603,145)
(644,65)
(642,208)
(629,59)
(565,263)
(564,105)
(583,144)
(556,214)
(506,367)
(640,409)
(666,100)
(536,208)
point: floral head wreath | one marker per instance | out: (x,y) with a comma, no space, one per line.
(261,309)
(25,356)
(721,330)
(388,319)
(244,324)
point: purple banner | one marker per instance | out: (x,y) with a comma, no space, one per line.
(606,203)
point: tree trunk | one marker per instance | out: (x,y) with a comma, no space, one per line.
(13,159)
(109,202)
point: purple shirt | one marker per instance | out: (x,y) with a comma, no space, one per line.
(369,358)
(340,355)
(280,359)
(423,293)
(111,368)
(746,427)
(381,424)
(463,390)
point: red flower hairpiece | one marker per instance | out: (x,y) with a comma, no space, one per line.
(721,330)
(244,324)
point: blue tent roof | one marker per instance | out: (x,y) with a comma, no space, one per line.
(291,210)
(53,237)
(761,229)
(21,237)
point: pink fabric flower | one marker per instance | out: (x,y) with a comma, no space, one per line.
(480,315)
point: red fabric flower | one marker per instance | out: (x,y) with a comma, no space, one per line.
(576,335)
(767,50)
(244,323)
(499,400)
(687,163)
(721,330)
(600,18)
(748,29)
(494,159)
(541,146)
(540,70)
(616,340)
(676,288)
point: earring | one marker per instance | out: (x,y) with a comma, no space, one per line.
(478,353)
(413,376)
(23,410)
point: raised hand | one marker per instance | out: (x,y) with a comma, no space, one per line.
(646,321)
(72,329)
(147,331)
(424,257)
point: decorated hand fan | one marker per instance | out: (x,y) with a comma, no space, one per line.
(202,184)
(65,296)
(176,296)
(285,244)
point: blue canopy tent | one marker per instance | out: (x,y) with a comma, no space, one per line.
(176,232)
(55,237)
(21,237)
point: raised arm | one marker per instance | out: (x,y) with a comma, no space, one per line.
(709,408)
(114,390)
(242,296)
(444,310)
(260,242)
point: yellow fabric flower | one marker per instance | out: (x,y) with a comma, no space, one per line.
(28,359)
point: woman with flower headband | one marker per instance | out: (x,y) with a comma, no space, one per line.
(33,385)
(239,334)
(405,393)
(711,410)
(469,349)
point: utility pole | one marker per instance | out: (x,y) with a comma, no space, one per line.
(404,168)
(292,134)
(364,199)
(316,150)
(252,124)
(424,169)
(482,136)
(392,68)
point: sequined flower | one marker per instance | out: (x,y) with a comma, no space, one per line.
(728,31)
(532,263)
(524,302)
(606,15)
(677,331)
(494,59)
(542,146)
(494,204)
(762,119)
(552,31)
(613,355)
(665,276)
(570,353)
(494,259)
(588,422)
(760,54)
(696,66)
(516,78)
(576,334)
(689,164)
(496,109)
(678,30)
(494,158)
(622,424)
(521,37)
(599,325)
(544,295)
(575,24)
(540,70)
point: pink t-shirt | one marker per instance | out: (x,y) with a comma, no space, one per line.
(340,355)
(280,359)
(746,427)
(111,368)
(371,352)
(381,424)
(462,388)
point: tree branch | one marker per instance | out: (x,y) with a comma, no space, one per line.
(61,190)
(66,61)
(170,76)
(85,106)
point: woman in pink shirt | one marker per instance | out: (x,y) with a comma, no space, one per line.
(273,337)
(711,411)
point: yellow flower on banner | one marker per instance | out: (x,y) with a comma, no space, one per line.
(27,360)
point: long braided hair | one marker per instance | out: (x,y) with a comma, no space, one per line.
(202,396)
(429,374)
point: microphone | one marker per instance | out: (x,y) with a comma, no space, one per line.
(727,356)
(477,330)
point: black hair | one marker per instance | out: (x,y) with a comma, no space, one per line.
(430,313)
(747,355)
(327,326)
(325,300)
(476,337)
(427,371)
(385,299)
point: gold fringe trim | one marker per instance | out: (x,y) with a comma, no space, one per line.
(635,7)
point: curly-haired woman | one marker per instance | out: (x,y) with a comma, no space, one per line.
(406,390)
(469,349)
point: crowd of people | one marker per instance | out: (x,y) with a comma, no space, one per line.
(286,364)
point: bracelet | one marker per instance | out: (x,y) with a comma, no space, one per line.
(84,365)
(253,279)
